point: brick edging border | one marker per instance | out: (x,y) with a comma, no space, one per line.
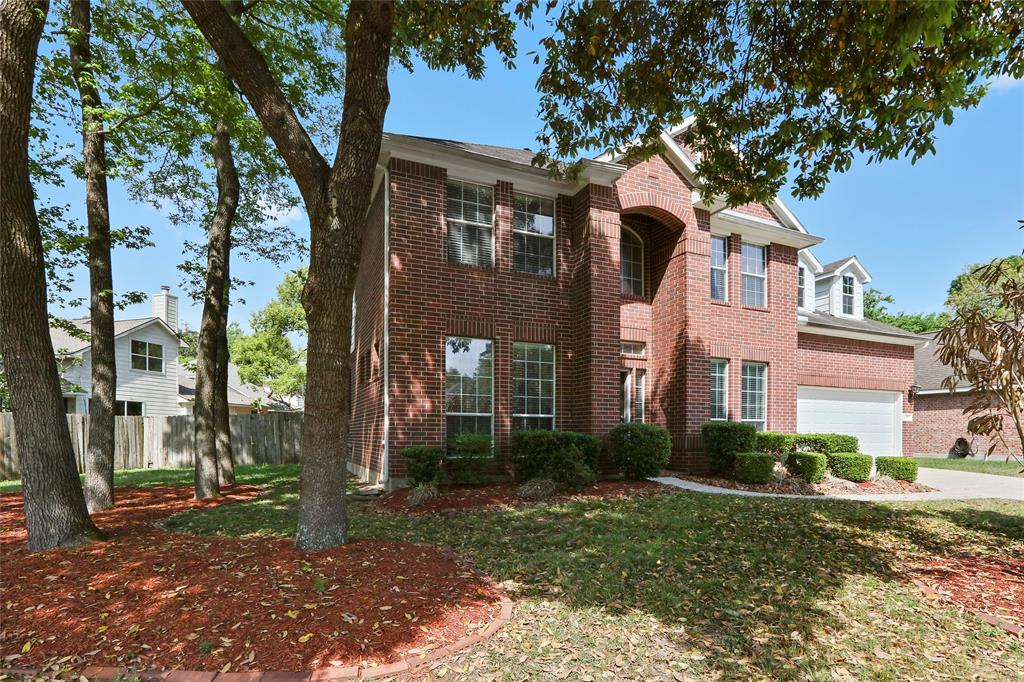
(994,621)
(352,672)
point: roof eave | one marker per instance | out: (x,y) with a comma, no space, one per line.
(846,333)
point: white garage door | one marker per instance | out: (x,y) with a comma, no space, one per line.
(874,417)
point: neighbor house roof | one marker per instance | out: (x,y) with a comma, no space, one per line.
(64,340)
(239,392)
(928,369)
(865,326)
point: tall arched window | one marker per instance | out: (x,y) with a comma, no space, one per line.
(631,262)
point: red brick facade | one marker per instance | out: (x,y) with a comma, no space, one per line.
(582,312)
(939,420)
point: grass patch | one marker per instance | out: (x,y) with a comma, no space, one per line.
(703,585)
(978,466)
(254,474)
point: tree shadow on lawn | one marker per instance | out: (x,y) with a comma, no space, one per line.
(754,582)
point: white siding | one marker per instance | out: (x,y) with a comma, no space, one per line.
(822,294)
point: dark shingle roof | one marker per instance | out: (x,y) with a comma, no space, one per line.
(928,370)
(510,154)
(835,265)
(63,340)
(852,324)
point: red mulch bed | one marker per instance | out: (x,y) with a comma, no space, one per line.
(149,598)
(992,585)
(503,495)
(796,486)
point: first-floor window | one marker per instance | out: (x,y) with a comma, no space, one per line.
(469,385)
(533,386)
(641,395)
(625,391)
(719,389)
(633,381)
(127,408)
(755,394)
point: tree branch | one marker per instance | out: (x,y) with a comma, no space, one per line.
(249,70)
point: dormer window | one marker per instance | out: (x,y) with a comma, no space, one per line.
(848,294)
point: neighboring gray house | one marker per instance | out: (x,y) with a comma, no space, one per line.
(242,398)
(146,357)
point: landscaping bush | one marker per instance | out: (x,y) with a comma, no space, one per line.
(423,493)
(639,450)
(422,463)
(754,467)
(778,444)
(469,456)
(850,466)
(537,489)
(544,453)
(722,440)
(810,466)
(828,443)
(900,468)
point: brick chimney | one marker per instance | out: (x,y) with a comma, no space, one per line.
(165,306)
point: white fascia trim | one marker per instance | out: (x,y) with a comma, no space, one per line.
(759,231)
(815,264)
(487,170)
(807,328)
(940,391)
(852,261)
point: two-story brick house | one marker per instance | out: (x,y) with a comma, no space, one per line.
(491,297)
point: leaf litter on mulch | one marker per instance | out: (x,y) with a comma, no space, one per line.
(149,598)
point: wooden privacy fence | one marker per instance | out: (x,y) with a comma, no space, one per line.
(159,442)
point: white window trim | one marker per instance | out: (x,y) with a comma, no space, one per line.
(724,361)
(445,400)
(751,421)
(132,355)
(460,221)
(643,264)
(626,414)
(553,236)
(554,385)
(853,295)
(641,354)
(764,277)
(725,268)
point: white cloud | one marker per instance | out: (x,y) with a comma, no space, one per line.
(1004,82)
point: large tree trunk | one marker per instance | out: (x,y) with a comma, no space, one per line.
(213,314)
(337,199)
(99,460)
(221,411)
(55,512)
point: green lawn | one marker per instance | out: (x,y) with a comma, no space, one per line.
(686,586)
(980,466)
(256,475)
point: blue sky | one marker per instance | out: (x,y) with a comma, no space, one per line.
(914,227)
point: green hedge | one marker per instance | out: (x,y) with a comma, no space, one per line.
(754,467)
(900,468)
(778,444)
(810,466)
(469,456)
(567,458)
(422,463)
(828,443)
(722,440)
(851,466)
(639,450)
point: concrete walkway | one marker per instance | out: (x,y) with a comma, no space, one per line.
(950,485)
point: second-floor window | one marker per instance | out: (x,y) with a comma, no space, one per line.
(801,291)
(719,268)
(631,262)
(847,294)
(470,224)
(147,356)
(755,275)
(533,235)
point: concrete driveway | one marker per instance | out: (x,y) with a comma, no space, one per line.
(950,485)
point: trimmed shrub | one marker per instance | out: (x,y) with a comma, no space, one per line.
(754,467)
(422,463)
(828,443)
(469,456)
(639,450)
(900,468)
(778,444)
(421,494)
(850,466)
(541,454)
(537,489)
(722,440)
(810,466)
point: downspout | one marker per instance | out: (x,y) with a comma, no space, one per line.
(386,458)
